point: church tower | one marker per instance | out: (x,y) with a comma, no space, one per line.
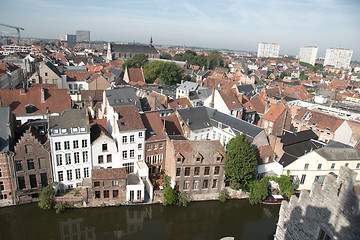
(151,42)
(109,54)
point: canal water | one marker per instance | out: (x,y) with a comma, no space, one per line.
(200,220)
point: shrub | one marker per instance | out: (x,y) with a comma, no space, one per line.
(184,199)
(223,195)
(170,196)
(59,207)
(46,198)
(259,190)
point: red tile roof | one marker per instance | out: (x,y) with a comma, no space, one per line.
(56,100)
(258,104)
(179,103)
(136,76)
(108,173)
(230,98)
(154,126)
(77,76)
(273,113)
(172,125)
(129,118)
(95,68)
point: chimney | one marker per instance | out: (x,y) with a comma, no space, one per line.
(42,95)
(212,98)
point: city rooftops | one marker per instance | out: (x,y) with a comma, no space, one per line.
(72,121)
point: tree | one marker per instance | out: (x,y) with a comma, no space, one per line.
(139,60)
(168,72)
(184,199)
(59,207)
(170,196)
(241,161)
(285,185)
(259,190)
(215,60)
(166,56)
(46,198)
(223,195)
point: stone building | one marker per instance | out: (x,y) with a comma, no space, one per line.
(126,51)
(32,166)
(196,167)
(328,212)
(108,185)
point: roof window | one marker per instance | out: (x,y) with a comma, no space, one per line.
(122,123)
(83,129)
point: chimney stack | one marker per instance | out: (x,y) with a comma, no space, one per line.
(42,95)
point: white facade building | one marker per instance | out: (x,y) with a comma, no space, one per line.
(71,157)
(308,54)
(338,57)
(268,50)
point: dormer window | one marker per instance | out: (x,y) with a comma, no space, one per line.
(75,130)
(122,123)
(198,157)
(179,158)
(83,129)
(29,108)
(63,130)
(218,157)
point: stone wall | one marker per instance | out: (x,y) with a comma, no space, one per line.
(329,210)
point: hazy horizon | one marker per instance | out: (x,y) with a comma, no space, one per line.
(229,24)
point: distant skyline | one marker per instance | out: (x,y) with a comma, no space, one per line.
(227,24)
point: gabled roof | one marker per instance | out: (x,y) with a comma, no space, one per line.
(53,68)
(129,118)
(195,118)
(237,125)
(274,113)
(247,88)
(78,76)
(172,125)
(230,99)
(136,76)
(290,138)
(339,154)
(258,104)
(189,86)
(108,173)
(56,100)
(96,130)
(123,96)
(154,126)
(179,103)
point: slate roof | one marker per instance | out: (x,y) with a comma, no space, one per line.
(4,134)
(204,93)
(247,88)
(195,118)
(68,119)
(108,173)
(339,154)
(56,100)
(96,130)
(290,138)
(154,126)
(237,125)
(189,86)
(53,68)
(129,118)
(127,48)
(123,96)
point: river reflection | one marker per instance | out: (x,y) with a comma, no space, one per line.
(201,220)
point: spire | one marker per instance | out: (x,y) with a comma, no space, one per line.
(151,42)
(109,54)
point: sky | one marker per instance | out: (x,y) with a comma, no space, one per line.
(221,24)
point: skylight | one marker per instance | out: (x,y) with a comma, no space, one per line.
(122,123)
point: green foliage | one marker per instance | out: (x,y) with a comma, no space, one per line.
(59,207)
(285,185)
(241,161)
(317,67)
(284,74)
(103,205)
(297,82)
(235,185)
(166,180)
(184,199)
(223,195)
(46,198)
(259,190)
(137,61)
(214,59)
(168,72)
(304,77)
(170,196)
(166,56)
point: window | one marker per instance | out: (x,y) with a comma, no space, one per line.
(187,171)
(306,166)
(161,146)
(139,157)
(21,182)
(155,146)
(28,148)
(69,175)
(76,144)
(357,165)
(97,184)
(104,147)
(68,158)
(44,179)
(186,185)
(346,164)
(106,194)
(132,153)
(132,138)
(303,179)
(207,171)
(2,186)
(323,235)
(42,163)
(84,143)
(108,158)
(139,194)
(124,154)
(140,134)
(177,172)
(77,173)
(131,195)
(216,170)
(319,166)
(58,159)
(197,171)
(18,165)
(57,146)
(129,167)
(214,183)
(61,176)
(139,146)
(97,194)
(332,165)
(67,145)
(85,156)
(86,172)
(30,164)
(196,185)
(100,159)
(77,157)
(124,139)
(198,159)
(205,183)
(32,179)
(179,159)
(115,183)
(149,147)
(115,193)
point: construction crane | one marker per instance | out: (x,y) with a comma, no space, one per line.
(17,28)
